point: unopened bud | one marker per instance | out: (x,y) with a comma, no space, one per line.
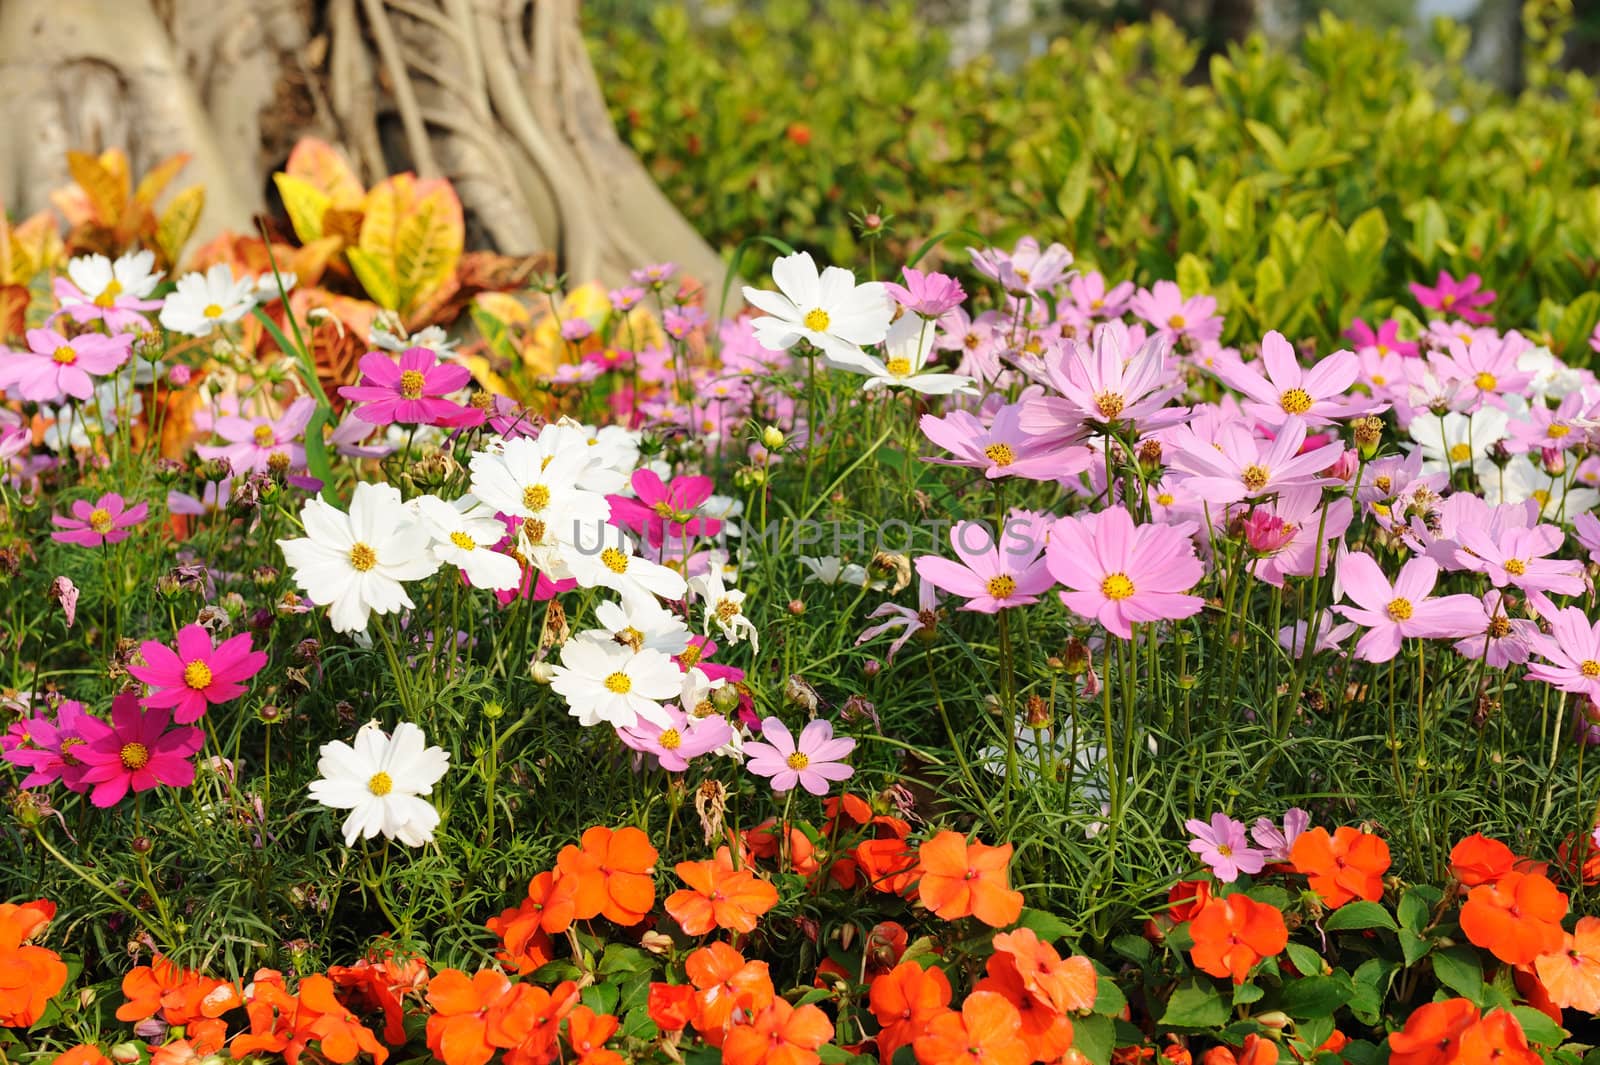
(725,698)
(142,844)
(872,667)
(772,438)
(1368,433)
(656,943)
(126,1053)
(541,671)
(796,607)
(1554,461)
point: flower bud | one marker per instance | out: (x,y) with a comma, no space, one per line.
(142,844)
(656,943)
(179,376)
(772,438)
(796,607)
(1368,433)
(493,710)
(725,698)
(126,1053)
(1554,461)
(1344,467)
(871,667)
(541,671)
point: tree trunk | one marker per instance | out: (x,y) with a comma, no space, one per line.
(497,95)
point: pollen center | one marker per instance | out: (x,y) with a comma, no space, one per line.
(1002,586)
(1295,401)
(1398,609)
(463,541)
(1000,454)
(1460,452)
(108,295)
(264,436)
(664,509)
(1383,482)
(1516,567)
(64,356)
(1589,668)
(898,367)
(817,320)
(1116,586)
(1109,404)
(213,310)
(1176,322)
(197,675)
(1255,477)
(671,739)
(615,560)
(411,382)
(727,609)
(380,784)
(362,557)
(619,683)
(1485,381)
(1499,627)
(100,520)
(536,497)
(1557,430)
(689,656)
(797,761)
(134,756)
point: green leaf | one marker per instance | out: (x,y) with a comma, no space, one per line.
(621,958)
(1195,1005)
(1095,1037)
(1538,1027)
(1316,996)
(1109,999)
(1413,911)
(1360,914)
(1245,994)
(1047,926)
(1135,948)
(1305,960)
(1459,969)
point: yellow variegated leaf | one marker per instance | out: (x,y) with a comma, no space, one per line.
(178,222)
(504,306)
(320,165)
(377,277)
(156,180)
(416,228)
(37,245)
(305,203)
(107,196)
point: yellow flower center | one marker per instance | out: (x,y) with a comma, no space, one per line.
(1096,304)
(817,320)
(1255,477)
(797,761)
(1109,404)
(108,295)
(1295,401)
(380,784)
(264,436)
(1379,380)
(1398,609)
(1590,668)
(1000,454)
(1383,482)
(1002,586)
(362,557)
(664,510)
(212,310)
(689,656)
(631,637)
(536,497)
(134,756)
(1542,496)
(619,683)
(100,520)
(1485,381)
(1447,300)
(411,382)
(899,366)
(1116,586)
(197,675)
(1558,430)
(1516,567)
(727,609)
(1499,626)
(615,560)
(1460,452)
(1165,499)
(64,356)
(463,541)
(1176,322)
(671,739)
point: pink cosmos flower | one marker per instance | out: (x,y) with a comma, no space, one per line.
(575,329)
(196,674)
(1571,653)
(1275,842)
(991,576)
(1222,846)
(1285,390)
(626,298)
(1002,448)
(662,510)
(212,498)
(48,747)
(1504,641)
(1393,612)
(653,276)
(681,321)
(1546,428)
(1180,321)
(1300,511)
(909,622)
(135,752)
(1091,300)
(1586,530)
(54,368)
(1518,557)
(108,520)
(1385,340)
(1243,466)
(1331,635)
(811,763)
(410,392)
(1100,385)
(929,294)
(682,738)
(1482,371)
(1121,574)
(263,444)
(1026,269)
(63,591)
(1455,297)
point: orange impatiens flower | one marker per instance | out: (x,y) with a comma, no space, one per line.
(1432,1034)
(727,989)
(285,1024)
(1497,1039)
(766,842)
(1571,975)
(889,865)
(380,983)
(1516,918)
(781,1034)
(961,879)
(719,896)
(1232,934)
(473,1016)
(30,976)
(525,929)
(904,1000)
(613,874)
(671,1006)
(987,1031)
(1481,860)
(82,1054)
(182,998)
(1046,1031)
(587,1032)
(1256,1051)
(1344,866)
(1066,985)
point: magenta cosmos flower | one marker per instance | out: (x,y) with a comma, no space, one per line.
(105,521)
(136,752)
(1223,847)
(1385,340)
(196,674)
(682,738)
(811,763)
(1392,612)
(47,747)
(991,576)
(54,367)
(1285,390)
(664,510)
(1121,574)
(410,392)
(928,294)
(1571,653)
(1456,297)
(263,444)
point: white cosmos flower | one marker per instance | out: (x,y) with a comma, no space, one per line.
(1521,480)
(605,681)
(829,309)
(725,607)
(641,624)
(355,562)
(1552,378)
(1455,439)
(464,534)
(98,278)
(201,302)
(598,471)
(527,480)
(831,569)
(381,781)
(906,351)
(267,286)
(603,556)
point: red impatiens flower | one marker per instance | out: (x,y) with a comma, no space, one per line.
(1232,934)
(1346,865)
(197,674)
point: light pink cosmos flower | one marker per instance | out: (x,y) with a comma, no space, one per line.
(1099,384)
(1586,530)
(812,762)
(1121,574)
(1002,448)
(1180,321)
(1392,612)
(1285,390)
(1519,557)
(263,444)
(1026,269)
(63,591)
(1385,340)
(1091,300)
(910,622)
(1275,842)
(135,752)
(1571,653)
(1222,846)
(1456,297)
(212,498)
(410,392)
(929,294)
(54,368)
(977,341)
(680,739)
(1504,641)
(1243,466)
(1545,428)
(108,520)
(196,674)
(1484,371)
(1331,635)
(991,576)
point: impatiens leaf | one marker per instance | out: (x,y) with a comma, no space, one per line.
(1195,1005)
(1459,969)
(1360,914)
